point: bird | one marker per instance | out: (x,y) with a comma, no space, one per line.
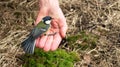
(28,45)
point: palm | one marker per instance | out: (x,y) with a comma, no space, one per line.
(58,26)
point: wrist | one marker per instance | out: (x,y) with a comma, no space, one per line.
(49,3)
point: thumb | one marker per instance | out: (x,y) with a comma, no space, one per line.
(63,31)
(63,27)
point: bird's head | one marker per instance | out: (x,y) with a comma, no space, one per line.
(47,20)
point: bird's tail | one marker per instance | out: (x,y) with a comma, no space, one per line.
(28,45)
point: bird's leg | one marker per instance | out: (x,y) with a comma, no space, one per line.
(50,34)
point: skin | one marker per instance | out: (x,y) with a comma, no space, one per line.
(58,24)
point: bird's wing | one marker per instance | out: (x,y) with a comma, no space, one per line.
(36,32)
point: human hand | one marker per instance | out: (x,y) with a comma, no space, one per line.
(58,25)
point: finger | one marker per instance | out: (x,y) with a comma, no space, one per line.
(63,27)
(60,25)
(48,43)
(37,42)
(42,41)
(63,31)
(54,24)
(56,41)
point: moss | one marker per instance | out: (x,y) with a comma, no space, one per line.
(58,58)
(65,63)
(39,65)
(73,38)
(88,40)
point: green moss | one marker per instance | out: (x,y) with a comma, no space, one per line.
(58,58)
(88,40)
(39,65)
(65,63)
(73,38)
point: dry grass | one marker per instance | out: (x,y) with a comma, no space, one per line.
(100,17)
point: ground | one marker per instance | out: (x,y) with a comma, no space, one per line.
(91,22)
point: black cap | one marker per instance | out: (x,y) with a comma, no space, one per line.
(47,18)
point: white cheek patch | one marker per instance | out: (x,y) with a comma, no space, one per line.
(48,22)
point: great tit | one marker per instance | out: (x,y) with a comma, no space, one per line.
(28,44)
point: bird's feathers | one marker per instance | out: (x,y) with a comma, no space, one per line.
(28,45)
